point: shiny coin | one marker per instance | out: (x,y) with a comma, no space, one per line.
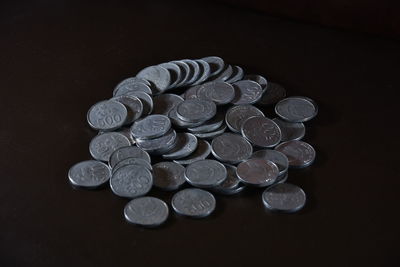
(128,152)
(89,173)
(185,72)
(194,72)
(103,145)
(128,81)
(151,127)
(280,159)
(174,71)
(185,145)
(237,115)
(196,110)
(272,95)
(132,161)
(165,102)
(284,197)
(168,175)
(177,122)
(210,125)
(131,181)
(191,93)
(261,131)
(202,151)
(231,148)
(158,76)
(296,109)
(219,92)
(290,130)
(246,92)
(258,79)
(237,74)
(132,87)
(193,202)
(210,135)
(204,71)
(257,172)
(300,154)
(126,131)
(205,173)
(216,64)
(107,115)
(146,211)
(159,145)
(282,178)
(146,100)
(133,105)
(231,182)
(229,192)
(224,74)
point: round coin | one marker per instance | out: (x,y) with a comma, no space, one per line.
(131,181)
(107,115)
(151,126)
(272,95)
(216,64)
(193,202)
(205,173)
(237,74)
(132,87)
(284,197)
(204,71)
(128,152)
(246,92)
(194,71)
(217,91)
(168,175)
(191,92)
(174,71)
(165,102)
(202,151)
(261,131)
(146,211)
(177,122)
(290,130)
(196,110)
(257,172)
(159,145)
(185,72)
(210,125)
(132,161)
(232,180)
(103,145)
(300,154)
(237,115)
(146,100)
(224,74)
(134,107)
(157,75)
(89,173)
(275,156)
(186,144)
(296,109)
(258,79)
(209,135)
(128,81)
(231,148)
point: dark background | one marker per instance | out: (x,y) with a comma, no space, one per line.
(57,58)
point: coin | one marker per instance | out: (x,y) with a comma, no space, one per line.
(210,125)
(107,115)
(196,110)
(275,156)
(89,173)
(186,144)
(165,102)
(204,71)
(146,211)
(261,131)
(185,72)
(257,172)
(159,145)
(130,80)
(177,122)
(209,135)
(202,151)
(132,161)
(219,92)
(132,87)
(191,92)
(229,192)
(296,109)
(158,76)
(193,202)
(282,178)
(258,79)
(231,148)
(246,92)
(237,115)
(300,154)
(284,197)
(146,100)
(237,74)
(205,173)
(290,130)
(103,145)
(131,181)
(126,131)
(224,74)
(232,180)
(168,175)
(133,105)
(216,64)
(174,71)
(151,126)
(128,152)
(273,94)
(194,71)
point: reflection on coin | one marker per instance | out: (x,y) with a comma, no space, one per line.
(272,95)
(216,64)
(107,115)
(246,92)
(174,71)
(261,131)
(209,135)
(133,105)
(151,127)
(224,74)
(202,151)
(157,75)
(193,202)
(194,71)
(133,87)
(231,182)
(128,152)
(237,74)
(291,130)
(146,100)
(296,109)
(196,110)
(275,156)
(132,161)
(165,102)
(217,91)
(237,115)
(205,173)
(300,154)
(204,71)
(258,79)
(168,175)
(159,145)
(103,145)
(210,125)
(131,181)
(185,145)
(231,148)
(257,172)
(146,211)
(284,197)
(89,173)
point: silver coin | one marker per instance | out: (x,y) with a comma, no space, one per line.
(177,122)
(275,156)
(210,135)
(237,74)
(246,92)
(193,202)
(168,175)
(204,71)
(300,154)
(165,102)
(258,79)
(128,152)
(219,92)
(237,115)
(132,161)
(291,130)
(202,151)
(107,115)
(296,109)
(151,127)
(103,145)
(186,144)
(132,87)
(217,64)
(272,95)
(224,74)
(284,197)
(196,110)
(261,131)
(126,131)
(194,71)
(205,173)
(146,100)
(131,181)
(282,178)
(146,211)
(174,71)
(210,125)
(89,173)
(257,172)
(231,148)
(229,192)
(133,105)
(191,92)
(185,72)
(157,75)
(159,145)
(130,80)
(232,180)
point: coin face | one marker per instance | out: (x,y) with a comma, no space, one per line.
(232,180)
(107,115)
(231,148)
(103,145)
(146,211)
(146,100)
(296,109)
(132,87)
(258,79)
(89,173)
(165,102)
(216,64)
(257,172)
(205,173)
(246,92)
(168,175)
(177,122)
(196,110)
(261,131)
(191,92)
(219,92)
(237,74)
(151,127)
(237,115)
(131,181)
(210,125)
(159,145)
(186,144)
(290,130)
(280,159)
(202,151)
(300,154)
(133,105)
(132,161)
(193,202)
(157,75)
(272,95)
(128,152)
(284,197)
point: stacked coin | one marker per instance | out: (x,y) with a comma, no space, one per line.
(207,134)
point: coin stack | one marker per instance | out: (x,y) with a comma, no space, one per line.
(207,135)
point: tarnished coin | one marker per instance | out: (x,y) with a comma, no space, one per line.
(296,109)
(224,74)
(168,175)
(159,145)
(131,181)
(204,71)
(185,145)
(146,211)
(130,80)
(237,74)
(146,100)
(272,95)
(103,145)
(237,115)
(128,152)
(132,161)
(300,154)
(210,125)
(151,127)
(177,122)
(194,71)
(185,72)
(132,87)
(258,79)
(157,75)
(107,115)
(217,64)
(205,173)
(231,148)
(231,182)
(217,91)
(261,131)
(165,102)
(209,135)
(202,151)
(290,130)
(193,202)
(246,92)
(89,173)
(191,92)
(284,197)
(133,105)
(174,71)
(257,172)
(196,110)
(275,156)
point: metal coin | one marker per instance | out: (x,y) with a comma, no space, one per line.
(107,115)
(132,87)
(168,175)
(158,76)
(284,197)
(257,172)
(132,161)
(205,173)
(273,94)
(282,178)
(194,71)
(232,181)
(193,202)
(237,115)
(216,64)
(177,122)
(186,144)
(174,71)
(146,211)
(246,92)
(159,145)
(210,125)
(146,100)
(204,71)
(131,181)
(229,192)
(165,102)
(133,105)
(296,109)
(89,173)
(202,151)
(300,154)
(209,135)
(151,127)
(291,130)
(130,80)
(261,131)
(191,93)
(128,152)
(275,156)
(185,72)
(237,74)
(219,92)
(258,79)
(103,145)
(126,131)
(196,110)
(231,148)
(224,74)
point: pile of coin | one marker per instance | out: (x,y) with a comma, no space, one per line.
(207,135)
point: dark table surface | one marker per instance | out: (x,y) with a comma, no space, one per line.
(57,58)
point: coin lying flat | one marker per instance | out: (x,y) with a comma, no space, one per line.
(296,109)
(133,105)
(212,134)
(237,115)
(196,110)
(193,202)
(103,145)
(258,79)
(257,172)
(216,64)
(210,125)
(261,131)
(151,127)
(191,92)
(132,161)
(275,156)
(231,183)
(146,100)
(157,75)
(246,92)
(205,173)
(237,74)
(159,145)
(131,181)
(89,173)
(284,197)
(128,152)
(272,95)
(168,175)
(146,211)
(165,102)
(132,87)
(219,92)
(202,151)
(107,115)
(300,154)
(291,130)
(186,144)
(177,122)
(231,148)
